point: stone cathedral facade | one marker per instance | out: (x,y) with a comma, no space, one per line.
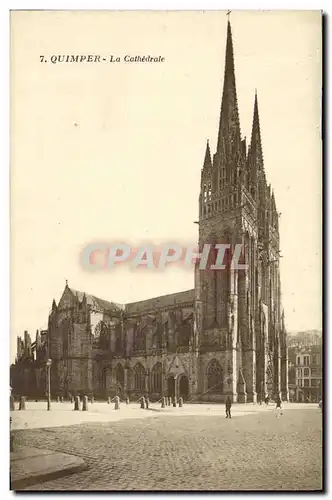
(226,337)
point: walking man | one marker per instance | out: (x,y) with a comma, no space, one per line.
(278,406)
(228,407)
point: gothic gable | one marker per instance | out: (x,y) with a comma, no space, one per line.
(176,366)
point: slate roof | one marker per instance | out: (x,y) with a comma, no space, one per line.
(142,306)
(163,301)
(97,303)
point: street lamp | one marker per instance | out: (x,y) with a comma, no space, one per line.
(48,366)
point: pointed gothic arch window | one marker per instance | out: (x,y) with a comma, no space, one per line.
(139,338)
(184,335)
(101,335)
(157,339)
(185,331)
(156,376)
(65,332)
(139,377)
(214,376)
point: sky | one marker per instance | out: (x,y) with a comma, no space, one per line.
(113,152)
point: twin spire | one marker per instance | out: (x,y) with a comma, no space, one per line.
(229,145)
(256,142)
(207,159)
(229,137)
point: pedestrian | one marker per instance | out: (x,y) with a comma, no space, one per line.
(320,405)
(278,406)
(228,407)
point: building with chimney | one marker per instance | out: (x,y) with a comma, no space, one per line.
(225,337)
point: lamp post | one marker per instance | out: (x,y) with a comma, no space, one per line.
(48,366)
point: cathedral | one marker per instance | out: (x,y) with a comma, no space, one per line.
(225,337)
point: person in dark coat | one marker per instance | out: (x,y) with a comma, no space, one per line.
(228,407)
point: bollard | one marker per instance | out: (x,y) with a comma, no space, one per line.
(22,403)
(163,402)
(127,400)
(180,402)
(147,402)
(77,403)
(108,400)
(85,403)
(12,403)
(116,403)
(174,402)
(142,403)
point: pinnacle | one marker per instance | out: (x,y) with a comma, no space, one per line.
(207,159)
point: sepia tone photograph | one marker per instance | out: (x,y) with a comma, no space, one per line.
(166,251)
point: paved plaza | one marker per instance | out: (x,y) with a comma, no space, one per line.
(62,414)
(189,448)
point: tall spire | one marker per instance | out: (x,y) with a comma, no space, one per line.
(229,137)
(255,154)
(256,141)
(207,159)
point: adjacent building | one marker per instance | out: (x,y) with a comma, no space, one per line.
(225,337)
(306,367)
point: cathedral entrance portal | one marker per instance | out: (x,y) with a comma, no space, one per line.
(184,387)
(171,386)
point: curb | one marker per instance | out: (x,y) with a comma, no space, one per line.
(21,484)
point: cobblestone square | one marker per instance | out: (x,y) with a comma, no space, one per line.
(257,451)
